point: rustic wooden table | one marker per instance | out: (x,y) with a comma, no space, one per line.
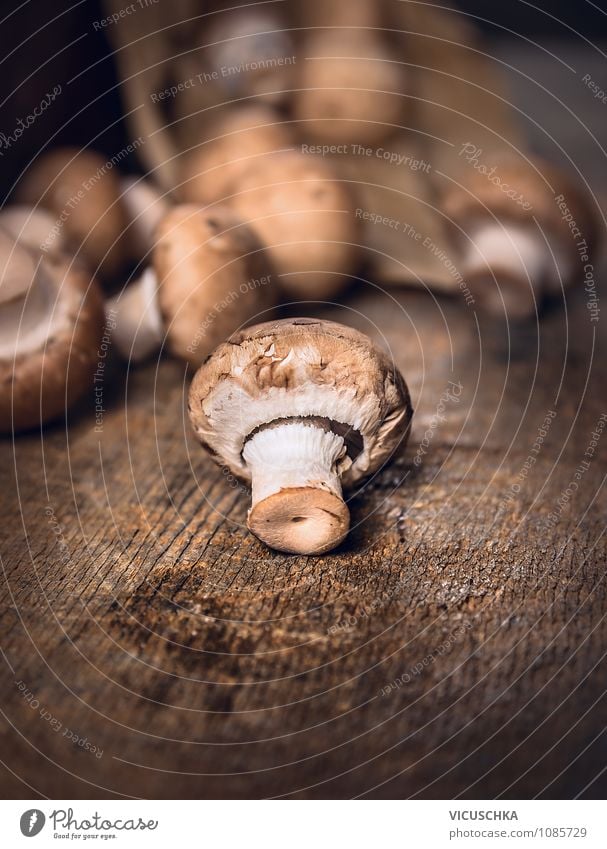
(454,645)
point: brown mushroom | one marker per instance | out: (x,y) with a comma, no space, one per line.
(209,276)
(300,408)
(82,190)
(304,215)
(362,14)
(238,140)
(350,88)
(515,242)
(51,315)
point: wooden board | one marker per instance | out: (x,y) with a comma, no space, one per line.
(139,614)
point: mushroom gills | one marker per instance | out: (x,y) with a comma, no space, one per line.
(34,228)
(27,304)
(297,503)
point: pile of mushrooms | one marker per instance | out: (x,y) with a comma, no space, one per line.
(255,207)
(105,219)
(295,202)
(368,90)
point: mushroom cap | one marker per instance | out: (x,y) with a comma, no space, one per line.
(34,228)
(483,197)
(351,89)
(304,216)
(82,191)
(237,141)
(38,385)
(213,277)
(301,369)
(582,209)
(335,13)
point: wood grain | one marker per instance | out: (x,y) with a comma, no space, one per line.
(204,665)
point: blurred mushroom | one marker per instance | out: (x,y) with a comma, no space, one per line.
(350,88)
(331,14)
(209,276)
(144,208)
(300,408)
(237,141)
(33,227)
(304,216)
(82,191)
(51,315)
(515,241)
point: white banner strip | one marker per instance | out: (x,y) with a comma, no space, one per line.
(305,824)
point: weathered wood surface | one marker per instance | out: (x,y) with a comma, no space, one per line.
(143,620)
(202,664)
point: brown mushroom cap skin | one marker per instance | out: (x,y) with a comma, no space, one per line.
(213,276)
(305,217)
(39,386)
(336,13)
(238,140)
(328,370)
(580,205)
(351,89)
(79,187)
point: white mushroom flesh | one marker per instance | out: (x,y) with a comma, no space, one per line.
(293,455)
(145,207)
(29,309)
(34,228)
(135,314)
(517,250)
(235,415)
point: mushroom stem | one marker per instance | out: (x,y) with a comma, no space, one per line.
(145,207)
(516,258)
(297,503)
(26,301)
(136,319)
